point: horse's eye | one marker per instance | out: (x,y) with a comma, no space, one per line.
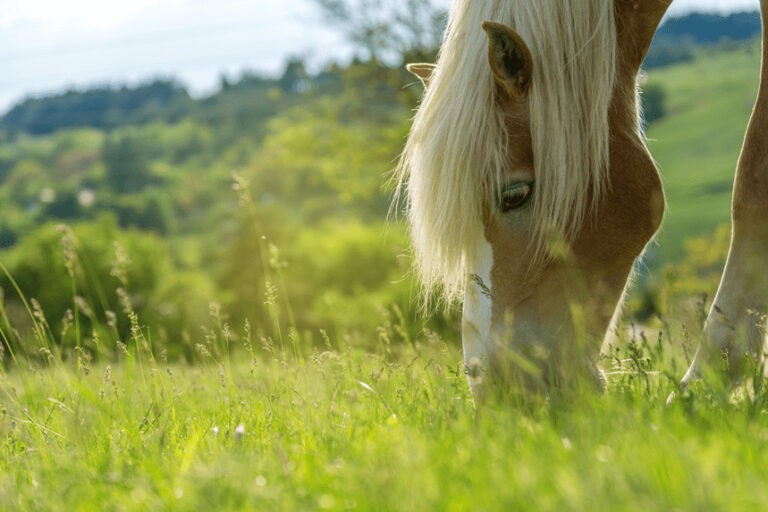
(515,197)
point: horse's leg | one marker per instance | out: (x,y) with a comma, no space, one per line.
(735,326)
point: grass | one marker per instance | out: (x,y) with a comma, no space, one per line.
(256,424)
(697,144)
(246,428)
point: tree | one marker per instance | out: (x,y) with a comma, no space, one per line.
(126,163)
(294,79)
(388,30)
(98,107)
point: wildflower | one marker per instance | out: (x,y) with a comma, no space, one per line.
(120,264)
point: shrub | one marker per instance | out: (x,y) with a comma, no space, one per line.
(94,278)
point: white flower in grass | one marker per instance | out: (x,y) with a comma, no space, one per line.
(86,197)
(47,195)
(239,432)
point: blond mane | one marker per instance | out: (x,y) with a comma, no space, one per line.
(456,153)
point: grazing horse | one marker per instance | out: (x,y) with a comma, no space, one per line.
(530,191)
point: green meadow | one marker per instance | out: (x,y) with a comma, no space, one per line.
(697,144)
(229,324)
(247,428)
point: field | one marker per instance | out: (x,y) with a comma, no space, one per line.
(345,429)
(337,395)
(697,144)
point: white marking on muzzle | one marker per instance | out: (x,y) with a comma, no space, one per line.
(476,318)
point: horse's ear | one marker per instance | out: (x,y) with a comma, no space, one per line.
(510,59)
(422,70)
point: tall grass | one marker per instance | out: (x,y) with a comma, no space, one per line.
(261,418)
(247,428)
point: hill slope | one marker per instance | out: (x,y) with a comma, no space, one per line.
(710,28)
(697,144)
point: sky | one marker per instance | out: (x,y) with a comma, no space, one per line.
(51,45)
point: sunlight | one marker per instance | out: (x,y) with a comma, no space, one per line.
(208,300)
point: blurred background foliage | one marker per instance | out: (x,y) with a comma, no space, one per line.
(267,201)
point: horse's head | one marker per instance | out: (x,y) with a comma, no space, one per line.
(565,194)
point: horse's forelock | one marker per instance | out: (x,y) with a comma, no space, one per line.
(457,153)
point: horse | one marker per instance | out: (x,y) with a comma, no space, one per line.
(735,328)
(530,192)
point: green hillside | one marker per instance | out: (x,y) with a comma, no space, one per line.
(708,102)
(202,307)
(302,233)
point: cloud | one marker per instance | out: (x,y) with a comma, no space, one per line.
(683,6)
(55,15)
